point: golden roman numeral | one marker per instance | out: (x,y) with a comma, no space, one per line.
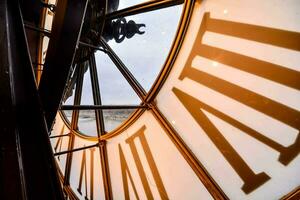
(125,170)
(276,37)
(265,105)
(83,172)
(251,180)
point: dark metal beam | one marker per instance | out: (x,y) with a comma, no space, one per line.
(67,24)
(100,126)
(91,46)
(10,165)
(142,8)
(139,90)
(57,136)
(96,96)
(74,150)
(27,166)
(105,170)
(74,121)
(40,30)
(101,107)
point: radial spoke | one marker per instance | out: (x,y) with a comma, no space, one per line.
(143,7)
(124,70)
(91,46)
(78,95)
(74,150)
(57,136)
(101,107)
(74,122)
(96,96)
(38,29)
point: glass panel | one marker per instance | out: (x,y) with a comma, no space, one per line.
(87,118)
(68,114)
(87,122)
(113,118)
(69,100)
(114,88)
(121,4)
(87,92)
(145,54)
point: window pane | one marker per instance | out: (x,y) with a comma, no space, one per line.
(145,54)
(114,88)
(87,92)
(113,118)
(113,5)
(87,119)
(87,123)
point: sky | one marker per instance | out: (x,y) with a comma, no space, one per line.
(144,55)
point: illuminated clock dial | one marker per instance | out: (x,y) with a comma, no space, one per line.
(110,88)
(214,112)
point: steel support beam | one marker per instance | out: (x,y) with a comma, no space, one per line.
(65,34)
(84,44)
(40,30)
(74,121)
(27,166)
(58,136)
(74,150)
(101,107)
(100,128)
(142,8)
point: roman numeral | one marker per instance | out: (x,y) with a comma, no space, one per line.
(83,173)
(194,106)
(276,37)
(139,135)
(125,172)
(276,73)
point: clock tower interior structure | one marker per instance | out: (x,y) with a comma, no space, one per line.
(149,99)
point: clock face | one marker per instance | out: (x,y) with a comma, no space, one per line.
(219,120)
